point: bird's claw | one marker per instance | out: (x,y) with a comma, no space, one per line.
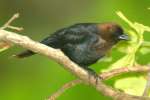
(92,72)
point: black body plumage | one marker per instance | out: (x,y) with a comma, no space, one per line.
(84,43)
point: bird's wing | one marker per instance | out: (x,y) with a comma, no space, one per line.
(55,39)
(63,37)
(74,37)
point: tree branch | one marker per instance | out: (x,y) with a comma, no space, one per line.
(104,76)
(64,88)
(59,57)
(115,72)
(5,45)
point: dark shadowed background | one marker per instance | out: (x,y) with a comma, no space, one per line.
(37,77)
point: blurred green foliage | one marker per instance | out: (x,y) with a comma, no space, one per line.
(37,77)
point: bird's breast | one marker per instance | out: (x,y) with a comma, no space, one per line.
(82,54)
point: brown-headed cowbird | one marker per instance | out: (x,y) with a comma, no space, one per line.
(84,43)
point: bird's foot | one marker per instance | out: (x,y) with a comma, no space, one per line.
(92,72)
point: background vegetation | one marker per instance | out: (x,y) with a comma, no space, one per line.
(37,77)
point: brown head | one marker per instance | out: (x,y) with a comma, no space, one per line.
(112,32)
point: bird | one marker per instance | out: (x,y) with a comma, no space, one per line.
(84,43)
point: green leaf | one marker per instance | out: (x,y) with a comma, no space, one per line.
(136,44)
(125,61)
(131,85)
(146,44)
(144,50)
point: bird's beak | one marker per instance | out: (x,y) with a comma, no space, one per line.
(123,37)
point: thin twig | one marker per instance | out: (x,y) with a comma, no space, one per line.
(104,76)
(15,28)
(64,88)
(147,87)
(115,72)
(15,16)
(7,24)
(5,45)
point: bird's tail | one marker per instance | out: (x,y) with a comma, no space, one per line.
(52,41)
(24,54)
